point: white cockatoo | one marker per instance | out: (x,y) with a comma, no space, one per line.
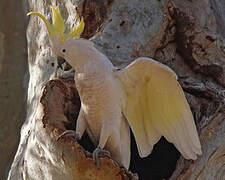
(144,96)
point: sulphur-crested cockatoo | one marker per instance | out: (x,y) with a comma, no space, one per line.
(144,96)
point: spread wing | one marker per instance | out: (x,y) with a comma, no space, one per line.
(155,106)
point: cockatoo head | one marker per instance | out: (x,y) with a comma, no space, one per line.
(57,35)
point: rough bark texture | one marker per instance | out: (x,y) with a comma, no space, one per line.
(188,36)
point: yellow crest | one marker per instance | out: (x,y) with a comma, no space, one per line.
(58,27)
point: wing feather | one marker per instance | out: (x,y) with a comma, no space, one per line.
(155,106)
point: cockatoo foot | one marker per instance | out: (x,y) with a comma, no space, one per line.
(132,176)
(98,152)
(69,133)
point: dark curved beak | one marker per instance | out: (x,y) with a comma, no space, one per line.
(61,61)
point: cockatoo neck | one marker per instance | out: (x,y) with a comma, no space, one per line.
(82,53)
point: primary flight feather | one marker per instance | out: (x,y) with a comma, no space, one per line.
(145,96)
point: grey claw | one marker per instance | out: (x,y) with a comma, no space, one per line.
(98,152)
(69,133)
(131,176)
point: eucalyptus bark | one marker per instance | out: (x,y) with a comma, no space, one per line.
(188,36)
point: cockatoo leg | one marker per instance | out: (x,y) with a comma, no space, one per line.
(69,133)
(80,128)
(99,151)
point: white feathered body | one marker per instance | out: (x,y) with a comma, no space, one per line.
(101,101)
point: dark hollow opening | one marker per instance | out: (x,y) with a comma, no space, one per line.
(159,165)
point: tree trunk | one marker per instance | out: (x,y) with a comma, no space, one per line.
(14,79)
(188,36)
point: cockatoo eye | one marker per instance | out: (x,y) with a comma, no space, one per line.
(64,50)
